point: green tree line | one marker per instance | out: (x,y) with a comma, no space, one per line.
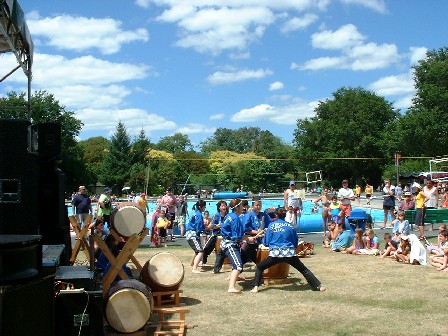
(354,134)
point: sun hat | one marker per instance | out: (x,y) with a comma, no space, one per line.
(142,194)
(292,183)
(82,187)
(404,236)
(107,189)
(407,193)
(416,185)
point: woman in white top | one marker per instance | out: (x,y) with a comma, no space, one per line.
(430,190)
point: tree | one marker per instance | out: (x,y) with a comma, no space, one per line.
(140,148)
(344,138)
(163,171)
(423,130)
(175,143)
(115,170)
(45,108)
(94,150)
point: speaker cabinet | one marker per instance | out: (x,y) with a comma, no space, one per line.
(18,179)
(47,141)
(69,317)
(27,309)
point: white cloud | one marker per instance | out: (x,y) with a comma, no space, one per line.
(56,70)
(283,115)
(195,129)
(81,33)
(143,3)
(218,116)
(95,97)
(345,37)
(417,54)
(404,103)
(212,30)
(221,77)
(276,86)
(376,5)
(325,63)
(297,23)
(133,119)
(356,54)
(393,85)
(372,56)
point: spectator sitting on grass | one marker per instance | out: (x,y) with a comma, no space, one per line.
(390,247)
(342,241)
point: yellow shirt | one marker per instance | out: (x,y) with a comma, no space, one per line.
(358,191)
(368,190)
(420,200)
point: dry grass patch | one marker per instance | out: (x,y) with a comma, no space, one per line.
(365,296)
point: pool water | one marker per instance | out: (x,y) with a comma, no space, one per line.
(307,218)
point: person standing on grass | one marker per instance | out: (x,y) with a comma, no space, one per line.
(431,191)
(368,192)
(346,196)
(217,220)
(388,202)
(282,241)
(325,199)
(420,200)
(232,232)
(194,227)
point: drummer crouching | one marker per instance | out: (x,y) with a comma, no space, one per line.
(194,228)
(282,240)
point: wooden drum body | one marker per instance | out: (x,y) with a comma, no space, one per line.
(128,218)
(163,272)
(129,306)
(279,271)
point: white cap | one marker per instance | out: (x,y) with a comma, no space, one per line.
(416,185)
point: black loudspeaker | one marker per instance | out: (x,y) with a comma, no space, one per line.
(47,141)
(69,308)
(27,309)
(53,219)
(14,136)
(19,173)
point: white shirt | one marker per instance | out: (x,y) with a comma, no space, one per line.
(345,192)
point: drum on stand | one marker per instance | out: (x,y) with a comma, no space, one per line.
(218,248)
(129,306)
(163,272)
(279,271)
(128,218)
(303,249)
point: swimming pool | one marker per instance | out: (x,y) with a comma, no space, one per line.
(308,222)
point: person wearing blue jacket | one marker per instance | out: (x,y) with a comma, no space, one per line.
(232,232)
(282,240)
(217,220)
(253,222)
(192,234)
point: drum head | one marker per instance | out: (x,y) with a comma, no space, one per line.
(128,220)
(128,310)
(165,269)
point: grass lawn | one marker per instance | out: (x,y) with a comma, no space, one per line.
(365,296)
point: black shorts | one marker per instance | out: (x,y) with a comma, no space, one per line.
(420,217)
(162,232)
(172,217)
(368,196)
(388,207)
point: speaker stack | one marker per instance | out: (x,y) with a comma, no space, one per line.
(19,176)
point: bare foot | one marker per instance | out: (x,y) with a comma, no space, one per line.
(255,289)
(234,291)
(196,271)
(322,289)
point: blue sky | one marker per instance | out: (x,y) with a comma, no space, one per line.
(192,66)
